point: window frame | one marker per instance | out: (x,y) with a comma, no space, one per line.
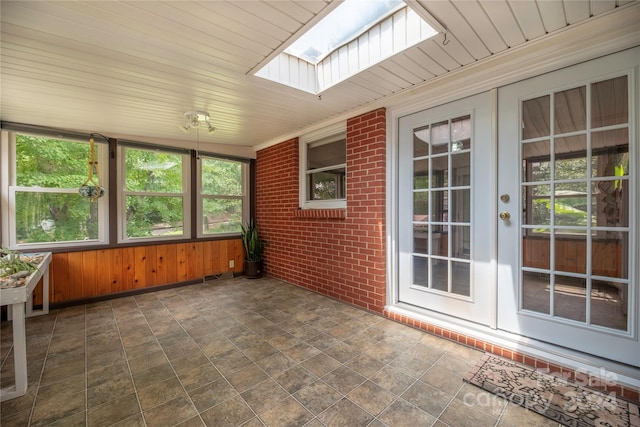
(244,197)
(329,134)
(123,193)
(8,180)
(111,219)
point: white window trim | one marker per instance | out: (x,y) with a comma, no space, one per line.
(200,197)
(122,194)
(337,131)
(8,189)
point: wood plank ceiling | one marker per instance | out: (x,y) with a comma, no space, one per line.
(130,69)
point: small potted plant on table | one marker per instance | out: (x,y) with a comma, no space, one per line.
(15,268)
(253,248)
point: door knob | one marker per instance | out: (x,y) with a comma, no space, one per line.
(504,215)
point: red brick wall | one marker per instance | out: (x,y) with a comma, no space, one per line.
(339,253)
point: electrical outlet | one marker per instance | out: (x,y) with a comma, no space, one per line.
(232,263)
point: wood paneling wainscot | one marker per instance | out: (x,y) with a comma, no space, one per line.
(87,274)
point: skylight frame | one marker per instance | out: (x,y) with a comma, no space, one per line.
(340,64)
(329,21)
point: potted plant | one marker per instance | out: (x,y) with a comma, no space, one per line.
(253,248)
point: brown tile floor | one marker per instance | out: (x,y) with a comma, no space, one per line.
(239,352)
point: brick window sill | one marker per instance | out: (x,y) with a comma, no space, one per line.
(321,213)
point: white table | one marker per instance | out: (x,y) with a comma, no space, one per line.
(16,298)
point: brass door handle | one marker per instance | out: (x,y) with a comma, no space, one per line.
(504,215)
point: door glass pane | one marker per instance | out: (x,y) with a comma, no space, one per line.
(535,292)
(440,241)
(569,298)
(440,138)
(461,241)
(609,102)
(536,117)
(570,109)
(420,206)
(536,204)
(421,140)
(457,146)
(421,174)
(440,206)
(609,304)
(461,132)
(570,251)
(460,278)
(421,271)
(570,207)
(610,153)
(609,203)
(461,205)
(460,169)
(421,239)
(536,248)
(440,171)
(440,274)
(536,161)
(571,157)
(610,254)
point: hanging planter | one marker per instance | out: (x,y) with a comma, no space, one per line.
(91,188)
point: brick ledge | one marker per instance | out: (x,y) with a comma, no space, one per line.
(340,213)
(594,382)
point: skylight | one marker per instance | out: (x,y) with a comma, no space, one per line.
(356,35)
(343,24)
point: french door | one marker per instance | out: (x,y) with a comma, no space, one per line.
(446,220)
(568,191)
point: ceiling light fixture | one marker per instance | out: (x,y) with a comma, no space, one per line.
(195,119)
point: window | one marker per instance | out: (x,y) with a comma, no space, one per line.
(323,166)
(155,196)
(44,205)
(223,196)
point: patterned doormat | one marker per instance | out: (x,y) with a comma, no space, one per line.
(552,396)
